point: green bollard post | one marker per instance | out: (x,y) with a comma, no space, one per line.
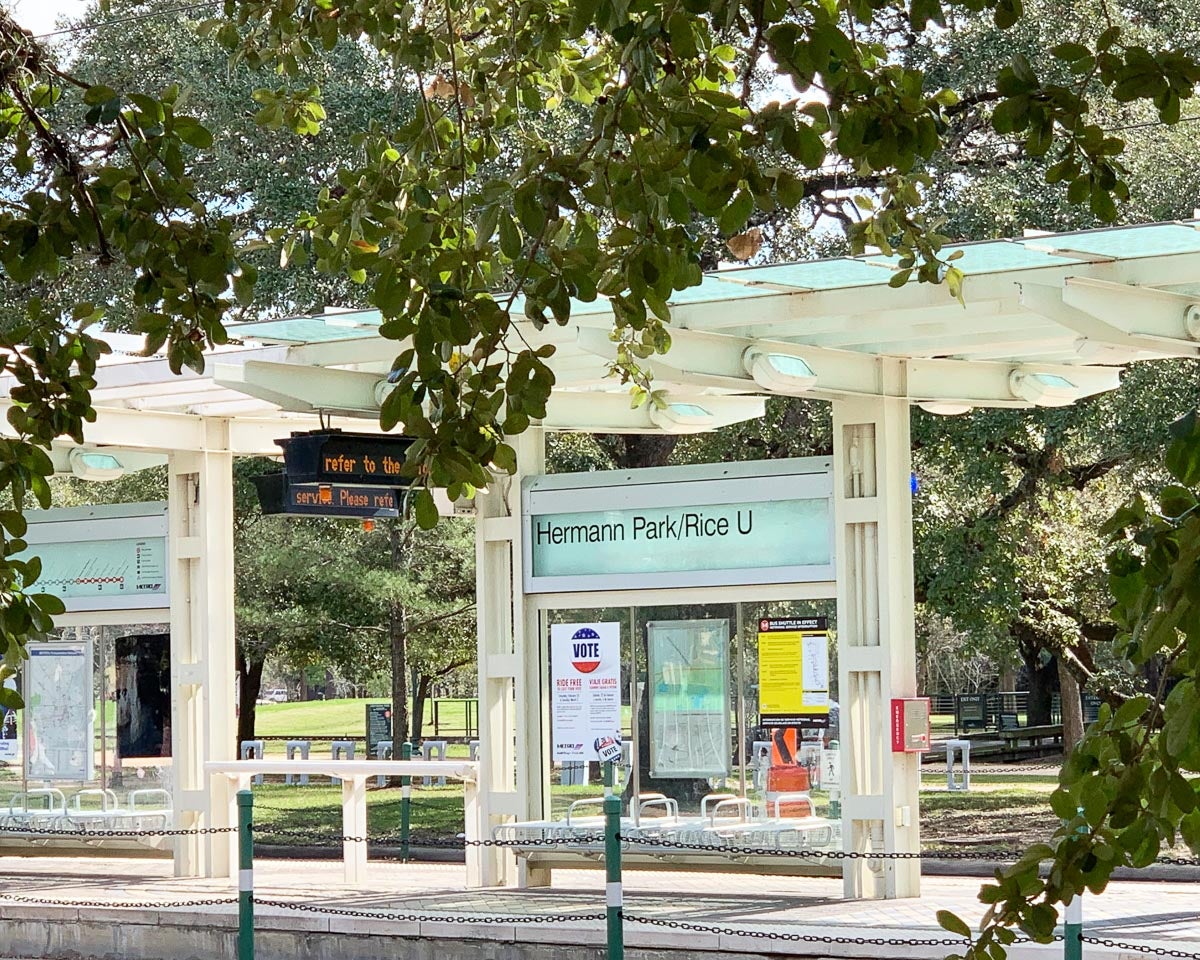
(245,807)
(405,802)
(1073,921)
(613,896)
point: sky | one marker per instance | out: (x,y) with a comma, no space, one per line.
(40,15)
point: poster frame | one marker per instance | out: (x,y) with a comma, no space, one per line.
(804,715)
(88,770)
(104,523)
(654,769)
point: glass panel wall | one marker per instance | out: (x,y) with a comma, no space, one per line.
(702,765)
(91,750)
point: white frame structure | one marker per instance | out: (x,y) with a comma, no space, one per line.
(1071,307)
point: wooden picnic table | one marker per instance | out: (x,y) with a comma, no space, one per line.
(1015,742)
(1034,735)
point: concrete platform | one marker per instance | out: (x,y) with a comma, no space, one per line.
(57,907)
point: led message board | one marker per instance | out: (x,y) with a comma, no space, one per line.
(331,456)
(277,496)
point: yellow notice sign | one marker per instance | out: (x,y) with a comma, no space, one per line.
(793,671)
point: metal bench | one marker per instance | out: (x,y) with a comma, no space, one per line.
(254,750)
(338,750)
(301,747)
(51,807)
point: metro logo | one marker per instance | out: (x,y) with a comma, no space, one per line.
(585,650)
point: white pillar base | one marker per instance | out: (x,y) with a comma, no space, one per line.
(203,720)
(876,645)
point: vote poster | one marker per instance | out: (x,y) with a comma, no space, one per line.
(585,683)
(793,671)
(10,731)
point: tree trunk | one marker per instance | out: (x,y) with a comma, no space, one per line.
(421,688)
(1040,705)
(630,451)
(1072,707)
(1008,679)
(398,634)
(249,687)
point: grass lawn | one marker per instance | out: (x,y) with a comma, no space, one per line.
(1000,812)
(323,719)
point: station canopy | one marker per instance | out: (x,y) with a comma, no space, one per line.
(1048,319)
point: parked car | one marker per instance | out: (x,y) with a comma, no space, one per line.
(276,695)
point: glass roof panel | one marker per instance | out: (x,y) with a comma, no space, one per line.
(1003,255)
(298,330)
(745,283)
(813,275)
(1150,240)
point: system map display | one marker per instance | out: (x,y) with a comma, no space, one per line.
(115,568)
(58,694)
(689,698)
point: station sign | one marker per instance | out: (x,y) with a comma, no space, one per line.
(331,456)
(277,495)
(723,524)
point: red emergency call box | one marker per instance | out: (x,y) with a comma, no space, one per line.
(910,725)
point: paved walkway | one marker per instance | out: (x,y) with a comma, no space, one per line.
(1151,914)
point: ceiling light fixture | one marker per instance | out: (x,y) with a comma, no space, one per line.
(779,372)
(1043,389)
(682,417)
(89,465)
(945,408)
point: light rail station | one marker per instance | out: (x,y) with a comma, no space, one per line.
(710,592)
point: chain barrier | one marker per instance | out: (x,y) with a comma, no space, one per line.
(822,854)
(395,839)
(106,904)
(989,856)
(791,937)
(428,918)
(1141,948)
(447,842)
(89,834)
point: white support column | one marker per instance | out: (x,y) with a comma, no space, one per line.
(512,778)
(203,725)
(876,645)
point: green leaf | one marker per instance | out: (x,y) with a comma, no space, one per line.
(10,699)
(1183,460)
(425,509)
(49,604)
(505,457)
(510,236)
(14,522)
(94,96)
(951,922)
(803,143)
(192,132)
(1070,51)
(734,216)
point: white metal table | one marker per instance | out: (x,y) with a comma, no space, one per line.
(354,775)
